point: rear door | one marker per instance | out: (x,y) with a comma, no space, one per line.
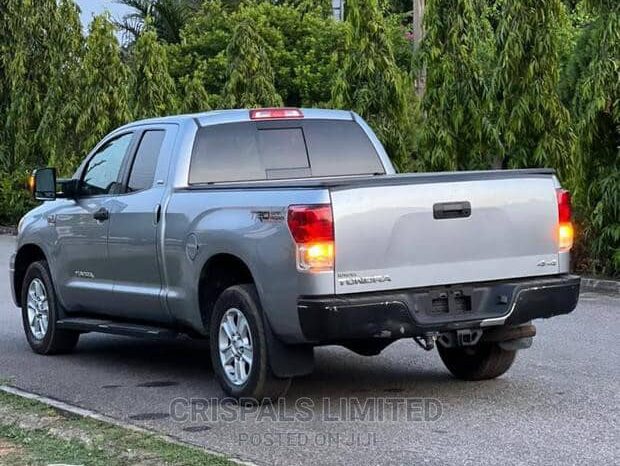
(134,229)
(418,233)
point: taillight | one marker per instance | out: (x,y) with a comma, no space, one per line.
(564,206)
(312,227)
(566,231)
(275,113)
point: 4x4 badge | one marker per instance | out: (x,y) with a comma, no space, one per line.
(544,263)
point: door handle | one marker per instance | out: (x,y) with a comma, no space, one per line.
(102,214)
(157,214)
(452,210)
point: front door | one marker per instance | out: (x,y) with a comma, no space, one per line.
(86,280)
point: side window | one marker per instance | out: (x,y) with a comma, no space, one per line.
(144,164)
(102,171)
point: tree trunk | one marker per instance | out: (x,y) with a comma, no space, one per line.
(418,35)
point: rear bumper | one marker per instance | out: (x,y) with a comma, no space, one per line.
(412,312)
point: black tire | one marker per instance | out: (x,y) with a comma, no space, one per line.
(54,341)
(479,362)
(261,384)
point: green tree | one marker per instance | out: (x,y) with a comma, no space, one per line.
(103,95)
(592,89)
(371,84)
(61,109)
(250,76)
(40,47)
(533,124)
(300,42)
(203,44)
(457,51)
(152,90)
(194,97)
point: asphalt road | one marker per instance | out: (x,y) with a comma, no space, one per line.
(557,405)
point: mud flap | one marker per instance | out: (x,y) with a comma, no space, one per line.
(287,360)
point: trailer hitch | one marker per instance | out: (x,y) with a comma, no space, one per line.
(427,341)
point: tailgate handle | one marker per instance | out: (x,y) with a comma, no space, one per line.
(452,210)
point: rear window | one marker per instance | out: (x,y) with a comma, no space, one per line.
(250,151)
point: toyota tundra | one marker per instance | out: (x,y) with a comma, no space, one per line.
(271,231)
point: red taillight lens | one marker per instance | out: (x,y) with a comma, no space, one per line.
(311,223)
(312,227)
(566,232)
(275,113)
(564,206)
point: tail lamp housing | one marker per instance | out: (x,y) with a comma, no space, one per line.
(566,231)
(312,228)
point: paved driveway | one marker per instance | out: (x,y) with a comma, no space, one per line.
(558,404)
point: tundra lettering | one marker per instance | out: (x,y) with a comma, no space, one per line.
(355,280)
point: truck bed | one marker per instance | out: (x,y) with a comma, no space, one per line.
(402,231)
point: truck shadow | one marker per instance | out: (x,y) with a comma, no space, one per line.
(400,371)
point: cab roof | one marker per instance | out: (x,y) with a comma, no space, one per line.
(239,115)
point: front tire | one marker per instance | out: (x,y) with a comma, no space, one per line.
(40,312)
(479,362)
(239,347)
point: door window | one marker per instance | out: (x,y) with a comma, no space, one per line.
(101,174)
(143,169)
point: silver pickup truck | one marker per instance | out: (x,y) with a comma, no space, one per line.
(272,231)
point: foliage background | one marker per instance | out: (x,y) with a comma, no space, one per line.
(509,83)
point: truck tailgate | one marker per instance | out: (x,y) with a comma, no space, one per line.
(446,231)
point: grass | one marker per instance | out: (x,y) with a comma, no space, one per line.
(32,433)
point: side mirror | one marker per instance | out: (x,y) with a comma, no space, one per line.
(42,184)
(45,187)
(69,188)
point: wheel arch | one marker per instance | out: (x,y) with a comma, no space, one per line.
(26,255)
(219,272)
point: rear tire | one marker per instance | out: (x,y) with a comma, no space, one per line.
(239,347)
(40,312)
(479,362)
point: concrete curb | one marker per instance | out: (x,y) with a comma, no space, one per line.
(603,286)
(76,410)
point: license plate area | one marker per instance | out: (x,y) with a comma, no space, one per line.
(459,303)
(450,301)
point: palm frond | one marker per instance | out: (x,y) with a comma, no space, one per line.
(167,18)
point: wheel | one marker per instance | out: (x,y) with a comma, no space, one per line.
(239,347)
(478,362)
(40,313)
